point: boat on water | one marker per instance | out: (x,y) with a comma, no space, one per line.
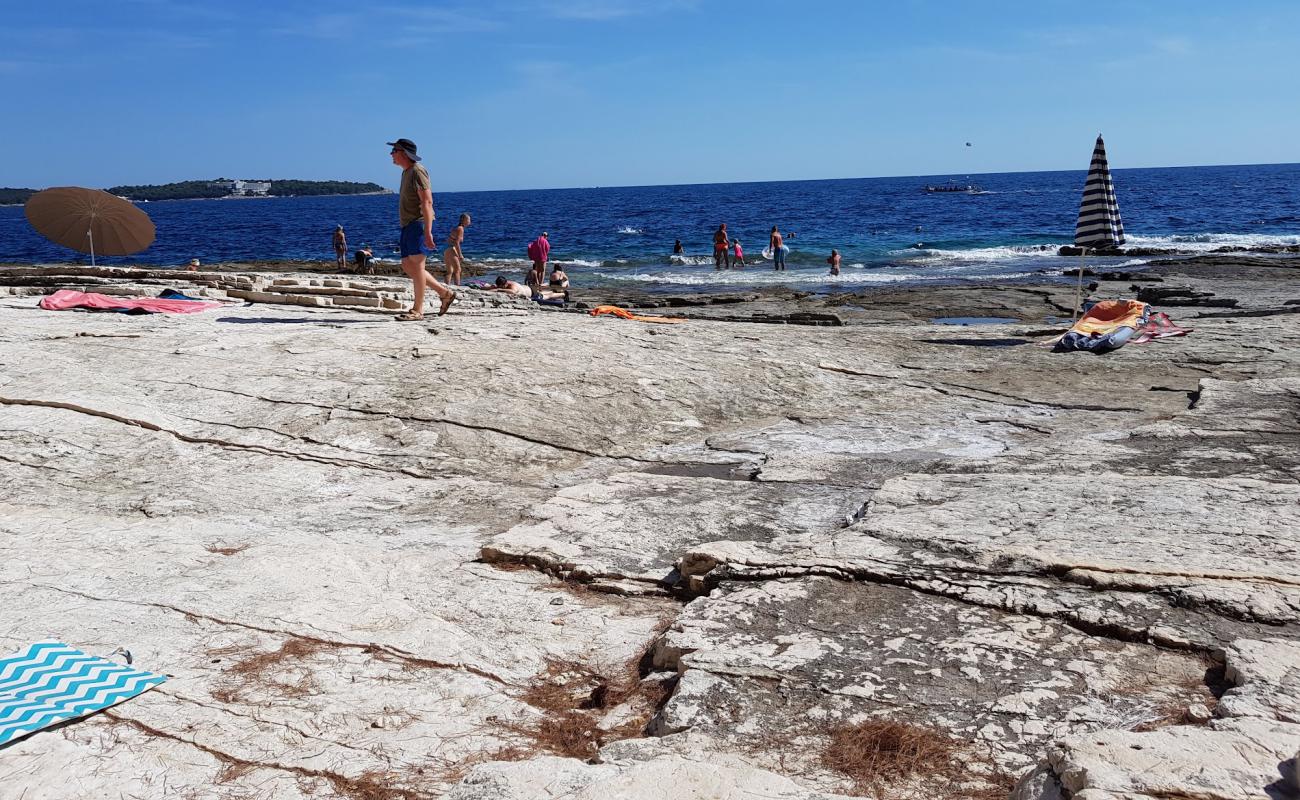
(952,187)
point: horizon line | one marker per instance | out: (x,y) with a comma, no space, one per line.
(945,175)
(857,178)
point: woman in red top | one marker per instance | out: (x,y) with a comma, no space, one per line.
(720,254)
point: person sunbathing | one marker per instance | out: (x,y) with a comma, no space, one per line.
(510,287)
(559,286)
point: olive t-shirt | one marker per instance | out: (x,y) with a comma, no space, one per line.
(408,204)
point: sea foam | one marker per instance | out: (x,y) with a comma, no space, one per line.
(788,278)
(1206,242)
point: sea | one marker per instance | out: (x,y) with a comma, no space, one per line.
(889,231)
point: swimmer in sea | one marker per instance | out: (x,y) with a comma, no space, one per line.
(834,261)
(777,243)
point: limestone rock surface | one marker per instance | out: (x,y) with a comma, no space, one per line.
(427,560)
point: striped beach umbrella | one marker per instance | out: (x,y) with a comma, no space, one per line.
(1099,226)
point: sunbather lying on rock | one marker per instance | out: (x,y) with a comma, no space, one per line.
(510,287)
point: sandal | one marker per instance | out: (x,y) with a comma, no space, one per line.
(409,316)
(446,303)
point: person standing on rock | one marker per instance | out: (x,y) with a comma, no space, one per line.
(415,211)
(539,250)
(340,249)
(452,258)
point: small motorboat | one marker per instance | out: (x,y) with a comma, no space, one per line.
(952,187)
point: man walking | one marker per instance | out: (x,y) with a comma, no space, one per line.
(415,210)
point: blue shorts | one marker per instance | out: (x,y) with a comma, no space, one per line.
(413,239)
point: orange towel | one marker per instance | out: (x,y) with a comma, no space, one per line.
(623,313)
(1108,315)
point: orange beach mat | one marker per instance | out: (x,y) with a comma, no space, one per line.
(623,313)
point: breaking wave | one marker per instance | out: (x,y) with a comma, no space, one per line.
(1209,242)
(742,278)
(691,261)
(935,255)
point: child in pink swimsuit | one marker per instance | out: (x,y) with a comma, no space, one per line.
(739,254)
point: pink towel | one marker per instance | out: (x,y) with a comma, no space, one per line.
(66,299)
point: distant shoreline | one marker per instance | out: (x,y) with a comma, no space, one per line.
(241,197)
(268,196)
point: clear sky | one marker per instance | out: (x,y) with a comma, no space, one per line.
(506,94)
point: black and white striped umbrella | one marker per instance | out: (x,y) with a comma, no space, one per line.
(1099,225)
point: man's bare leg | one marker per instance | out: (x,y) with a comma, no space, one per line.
(440,289)
(413,266)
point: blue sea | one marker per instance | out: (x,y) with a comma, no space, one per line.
(888,230)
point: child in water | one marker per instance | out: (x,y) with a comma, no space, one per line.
(834,261)
(739,260)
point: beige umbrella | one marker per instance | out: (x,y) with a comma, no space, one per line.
(90,221)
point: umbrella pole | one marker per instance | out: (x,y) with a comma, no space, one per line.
(1078,289)
(90,234)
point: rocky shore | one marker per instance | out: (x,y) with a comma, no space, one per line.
(521,552)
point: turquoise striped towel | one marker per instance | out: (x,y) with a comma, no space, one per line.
(51,682)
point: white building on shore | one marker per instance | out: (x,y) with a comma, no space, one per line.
(238,188)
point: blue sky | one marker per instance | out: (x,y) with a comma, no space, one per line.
(506,94)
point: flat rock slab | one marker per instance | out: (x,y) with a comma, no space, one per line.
(780,664)
(661,778)
(634,526)
(1229,760)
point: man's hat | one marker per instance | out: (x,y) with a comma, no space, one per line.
(407,146)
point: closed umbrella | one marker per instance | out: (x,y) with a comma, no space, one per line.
(90,221)
(1099,225)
